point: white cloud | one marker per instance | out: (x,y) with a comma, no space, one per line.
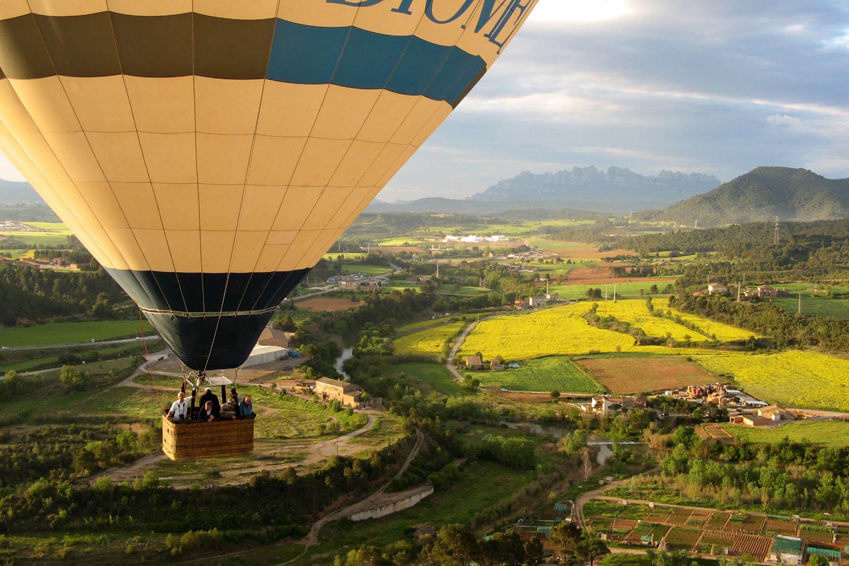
(556,11)
(783,120)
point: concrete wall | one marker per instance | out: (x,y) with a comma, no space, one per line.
(406,501)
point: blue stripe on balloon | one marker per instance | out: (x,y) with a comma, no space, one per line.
(357,58)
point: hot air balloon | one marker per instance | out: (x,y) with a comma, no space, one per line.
(209,152)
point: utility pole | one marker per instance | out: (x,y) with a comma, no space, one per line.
(614,292)
(605,292)
(776,239)
(739,288)
(799,308)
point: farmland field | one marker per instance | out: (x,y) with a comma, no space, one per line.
(543,374)
(433,377)
(366,269)
(70,332)
(558,330)
(52,234)
(322,304)
(815,306)
(430,342)
(722,332)
(637,314)
(834,434)
(626,288)
(634,375)
(793,378)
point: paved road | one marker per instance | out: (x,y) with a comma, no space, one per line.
(79,344)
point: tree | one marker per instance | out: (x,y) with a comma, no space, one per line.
(817,560)
(71,378)
(287,324)
(555,394)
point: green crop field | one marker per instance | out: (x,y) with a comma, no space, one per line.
(834,434)
(543,374)
(365,269)
(628,290)
(430,342)
(70,332)
(794,378)
(431,377)
(815,306)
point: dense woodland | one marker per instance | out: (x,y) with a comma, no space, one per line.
(28,294)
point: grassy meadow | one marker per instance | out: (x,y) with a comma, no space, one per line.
(430,342)
(70,332)
(834,434)
(543,374)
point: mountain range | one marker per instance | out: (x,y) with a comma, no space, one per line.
(581,188)
(12,192)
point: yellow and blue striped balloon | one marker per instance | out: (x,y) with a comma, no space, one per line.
(208,152)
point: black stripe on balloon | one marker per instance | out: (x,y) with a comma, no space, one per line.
(208,293)
(107,43)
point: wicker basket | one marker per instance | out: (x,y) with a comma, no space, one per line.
(184,441)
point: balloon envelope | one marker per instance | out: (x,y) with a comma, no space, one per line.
(208,152)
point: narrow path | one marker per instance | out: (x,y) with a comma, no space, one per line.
(312,537)
(449,363)
(81,344)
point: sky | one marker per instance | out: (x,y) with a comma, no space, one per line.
(716,87)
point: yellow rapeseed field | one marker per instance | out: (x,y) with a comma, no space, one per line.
(634,311)
(793,378)
(430,342)
(723,332)
(559,330)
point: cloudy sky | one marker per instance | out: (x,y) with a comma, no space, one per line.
(715,87)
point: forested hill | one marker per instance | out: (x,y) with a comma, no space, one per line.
(762,195)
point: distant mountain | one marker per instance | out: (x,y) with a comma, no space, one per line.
(762,195)
(14,193)
(591,188)
(580,189)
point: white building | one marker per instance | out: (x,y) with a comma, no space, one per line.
(262,355)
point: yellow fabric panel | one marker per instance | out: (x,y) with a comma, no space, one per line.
(125,241)
(162,104)
(119,155)
(296,207)
(281,237)
(447,33)
(296,250)
(386,116)
(396,165)
(440,115)
(269,258)
(289,109)
(356,162)
(104,204)
(74,153)
(150,7)
(100,103)
(343,112)
(216,247)
(316,13)
(223,159)
(259,207)
(383,20)
(385,160)
(227,106)
(274,159)
(346,208)
(243,10)
(139,205)
(13,8)
(369,193)
(219,206)
(170,158)
(329,201)
(47,104)
(319,247)
(67,7)
(185,250)
(248,246)
(318,161)
(421,113)
(178,206)
(480,44)
(155,248)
